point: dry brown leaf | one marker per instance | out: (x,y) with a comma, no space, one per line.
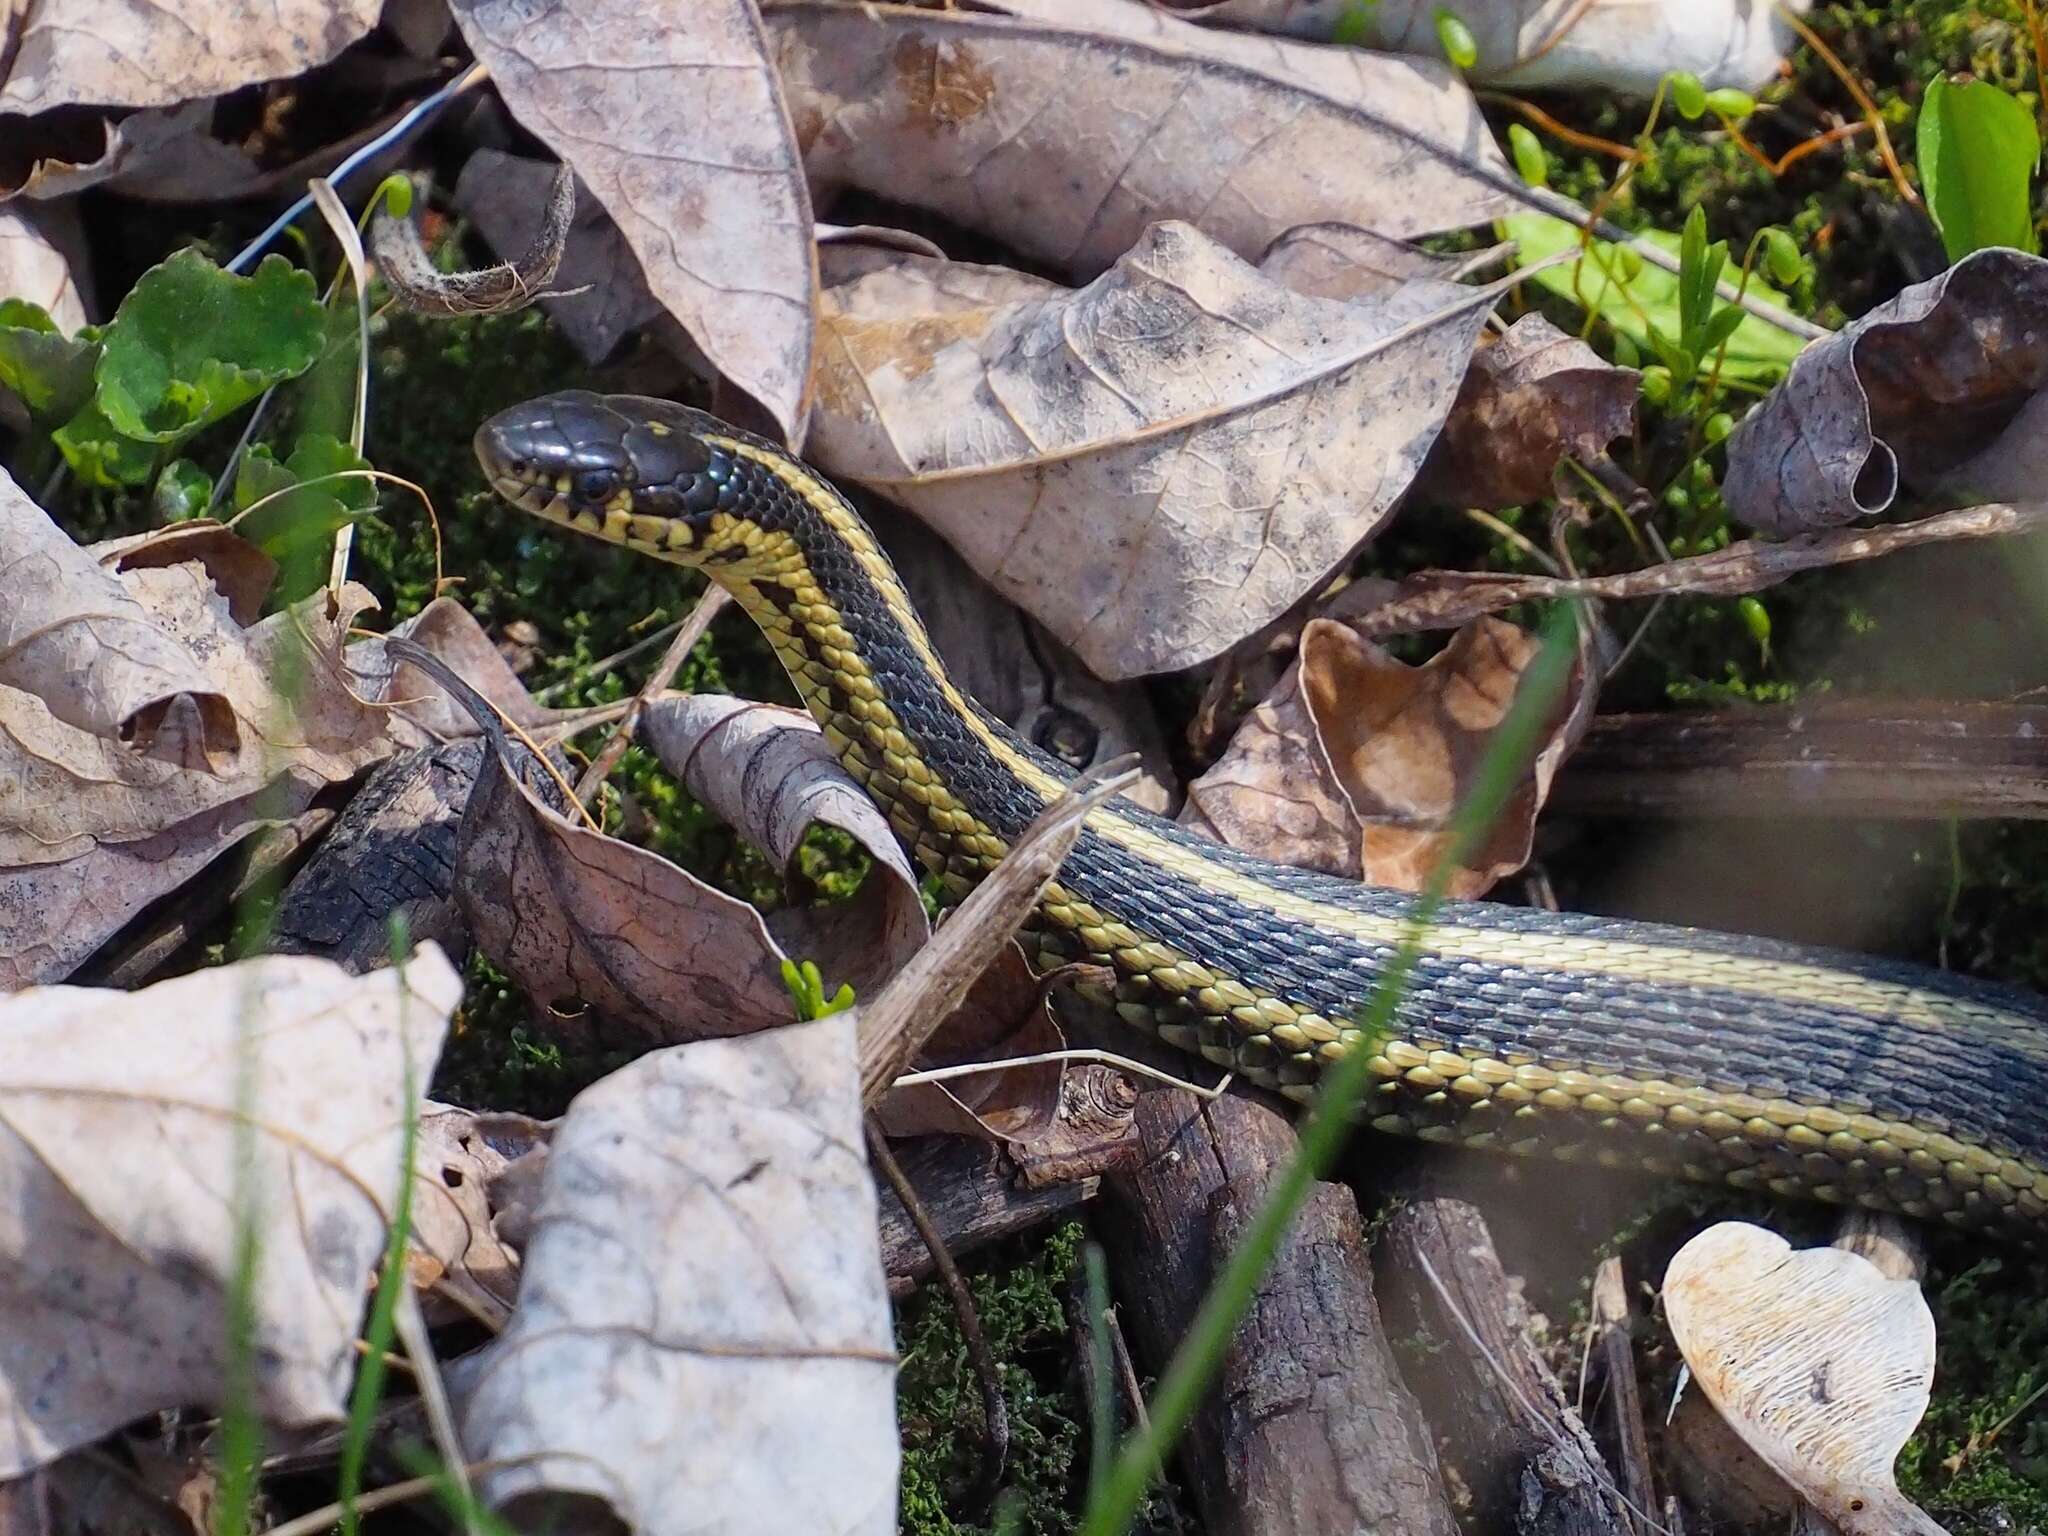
(1529,399)
(239,571)
(1819,1363)
(33,267)
(1004,1014)
(456,1248)
(770,775)
(1068,127)
(1155,465)
(419,284)
(1357,761)
(702,1339)
(673,121)
(92,830)
(119,1160)
(113,54)
(1908,393)
(450,632)
(1342,261)
(77,640)
(1627,45)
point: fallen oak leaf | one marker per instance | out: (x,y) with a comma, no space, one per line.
(1820,1363)
(458,1256)
(702,1339)
(1343,261)
(673,122)
(119,1159)
(1357,762)
(1068,126)
(1149,513)
(1908,393)
(421,286)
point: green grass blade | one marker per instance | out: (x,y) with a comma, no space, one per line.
(1115,1504)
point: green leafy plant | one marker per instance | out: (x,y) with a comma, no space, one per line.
(1978,148)
(807,991)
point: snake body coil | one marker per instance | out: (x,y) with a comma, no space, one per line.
(1801,1071)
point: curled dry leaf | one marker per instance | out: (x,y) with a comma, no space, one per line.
(1819,1363)
(771,775)
(1004,1014)
(673,121)
(1628,45)
(449,632)
(112,54)
(1356,762)
(73,637)
(457,1252)
(1067,127)
(1529,399)
(1154,465)
(1909,393)
(513,284)
(119,1161)
(702,1339)
(92,830)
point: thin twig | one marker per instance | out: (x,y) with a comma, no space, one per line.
(412,1332)
(606,664)
(1040,1058)
(995,1408)
(709,606)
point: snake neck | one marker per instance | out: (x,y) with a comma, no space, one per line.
(847,633)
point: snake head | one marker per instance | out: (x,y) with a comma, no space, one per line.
(625,468)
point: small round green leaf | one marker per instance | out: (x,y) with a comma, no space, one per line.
(1782,256)
(1688,95)
(1730,103)
(1529,157)
(182,492)
(1456,39)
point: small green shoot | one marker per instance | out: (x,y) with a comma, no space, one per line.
(1187,1376)
(1101,1400)
(1978,149)
(807,991)
(1456,39)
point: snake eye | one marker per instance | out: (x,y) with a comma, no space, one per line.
(595,485)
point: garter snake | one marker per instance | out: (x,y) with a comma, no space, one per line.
(1793,1070)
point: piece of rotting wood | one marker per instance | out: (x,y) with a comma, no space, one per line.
(1309,1428)
(1519,1444)
(1902,760)
(1620,1396)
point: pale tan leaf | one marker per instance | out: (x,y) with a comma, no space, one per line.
(672,119)
(1155,465)
(1532,397)
(118,1162)
(1819,1363)
(420,285)
(1627,45)
(92,830)
(239,571)
(702,1339)
(770,774)
(1908,393)
(1357,761)
(32,267)
(1342,261)
(449,631)
(1068,127)
(115,54)
(75,639)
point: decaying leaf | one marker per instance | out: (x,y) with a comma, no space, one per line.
(1067,127)
(771,775)
(673,121)
(1530,398)
(73,637)
(92,829)
(1907,394)
(1004,1014)
(1342,261)
(119,1159)
(451,633)
(111,54)
(702,1339)
(1626,45)
(457,1252)
(1820,1364)
(513,284)
(1154,465)
(1356,762)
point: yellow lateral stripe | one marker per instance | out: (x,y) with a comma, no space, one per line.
(1749,974)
